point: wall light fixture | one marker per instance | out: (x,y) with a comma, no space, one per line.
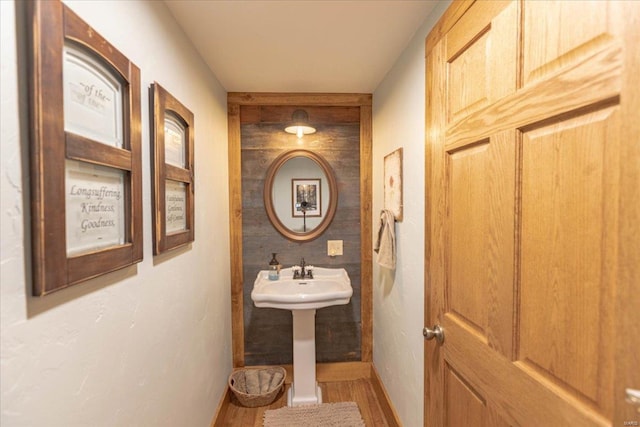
(300,124)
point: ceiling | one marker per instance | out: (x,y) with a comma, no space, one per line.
(329,46)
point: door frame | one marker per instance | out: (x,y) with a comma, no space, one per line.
(446,22)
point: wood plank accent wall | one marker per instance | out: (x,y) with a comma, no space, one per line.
(343,138)
(267,332)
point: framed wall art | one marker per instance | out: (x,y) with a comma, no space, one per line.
(173,173)
(85,152)
(306,197)
(393,183)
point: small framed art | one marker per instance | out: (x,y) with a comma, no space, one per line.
(393,183)
(306,197)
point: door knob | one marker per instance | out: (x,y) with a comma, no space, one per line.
(633,397)
(436,332)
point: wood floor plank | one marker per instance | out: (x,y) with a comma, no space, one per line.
(360,391)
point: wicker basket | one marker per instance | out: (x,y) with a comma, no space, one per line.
(237,384)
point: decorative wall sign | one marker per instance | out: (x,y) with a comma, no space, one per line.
(85,151)
(92,98)
(393,183)
(95,207)
(173,179)
(306,197)
(176,206)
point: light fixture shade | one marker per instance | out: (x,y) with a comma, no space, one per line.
(300,124)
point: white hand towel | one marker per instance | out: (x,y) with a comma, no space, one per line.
(386,244)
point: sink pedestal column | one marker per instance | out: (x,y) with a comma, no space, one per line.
(304,390)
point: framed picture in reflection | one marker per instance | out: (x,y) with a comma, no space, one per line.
(306,197)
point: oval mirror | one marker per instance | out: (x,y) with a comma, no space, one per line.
(300,195)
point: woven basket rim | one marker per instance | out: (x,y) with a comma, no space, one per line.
(253,400)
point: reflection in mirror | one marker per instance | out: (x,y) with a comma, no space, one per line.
(300,195)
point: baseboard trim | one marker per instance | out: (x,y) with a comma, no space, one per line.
(327,372)
(221,412)
(385,402)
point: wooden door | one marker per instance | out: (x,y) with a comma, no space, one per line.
(533,213)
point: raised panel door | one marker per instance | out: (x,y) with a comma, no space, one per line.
(533,209)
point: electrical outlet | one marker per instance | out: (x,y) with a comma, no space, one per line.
(334,247)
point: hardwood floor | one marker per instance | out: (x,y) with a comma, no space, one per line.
(360,391)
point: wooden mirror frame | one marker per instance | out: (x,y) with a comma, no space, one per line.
(268,199)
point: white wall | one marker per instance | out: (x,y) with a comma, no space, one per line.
(149,345)
(398,296)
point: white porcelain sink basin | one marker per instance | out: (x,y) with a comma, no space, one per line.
(329,286)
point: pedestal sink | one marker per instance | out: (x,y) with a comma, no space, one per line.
(329,286)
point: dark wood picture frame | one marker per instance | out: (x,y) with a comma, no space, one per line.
(315,193)
(167,107)
(50,27)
